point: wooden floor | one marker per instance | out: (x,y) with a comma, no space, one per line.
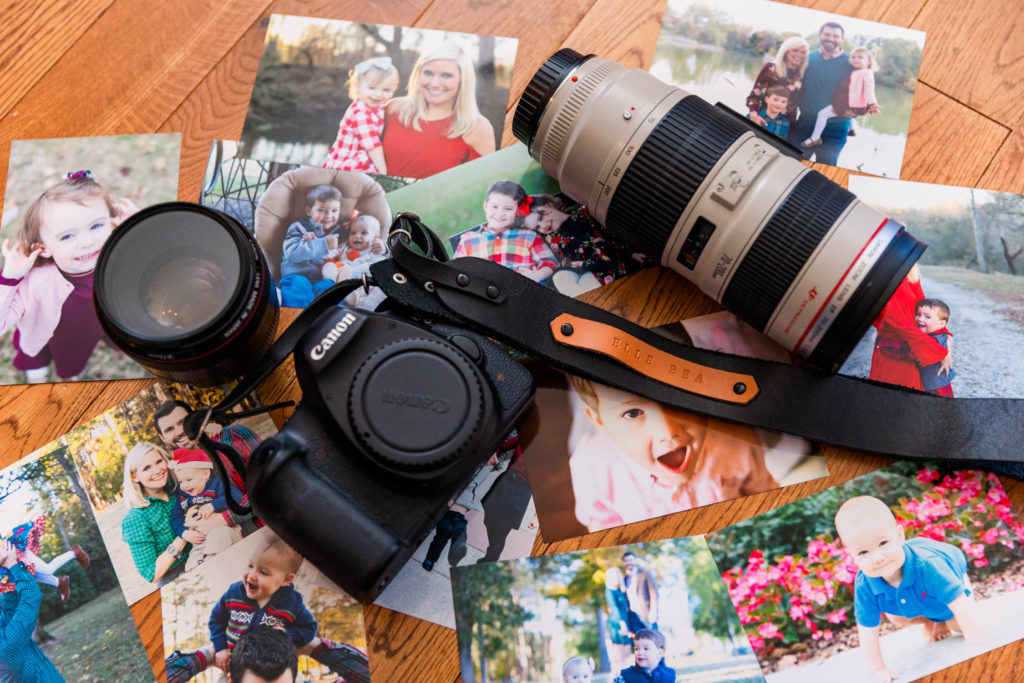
(102,67)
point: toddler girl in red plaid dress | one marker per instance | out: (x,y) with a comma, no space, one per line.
(370,85)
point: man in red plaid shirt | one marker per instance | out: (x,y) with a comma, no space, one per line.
(499,239)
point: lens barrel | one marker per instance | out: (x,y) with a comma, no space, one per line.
(713,197)
(186,291)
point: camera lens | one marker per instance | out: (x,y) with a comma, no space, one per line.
(720,202)
(186,292)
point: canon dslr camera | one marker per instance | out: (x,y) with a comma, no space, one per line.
(395,419)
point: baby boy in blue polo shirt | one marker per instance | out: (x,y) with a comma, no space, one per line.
(920,581)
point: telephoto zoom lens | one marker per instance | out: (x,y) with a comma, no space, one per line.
(722,203)
(185,291)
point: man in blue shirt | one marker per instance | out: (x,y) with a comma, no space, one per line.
(826,67)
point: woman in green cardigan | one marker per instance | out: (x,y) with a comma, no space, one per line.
(149,493)
(21,660)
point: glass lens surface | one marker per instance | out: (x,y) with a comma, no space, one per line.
(171,274)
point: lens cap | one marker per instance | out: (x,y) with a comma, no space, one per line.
(416,404)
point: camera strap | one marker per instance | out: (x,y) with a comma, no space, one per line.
(598,345)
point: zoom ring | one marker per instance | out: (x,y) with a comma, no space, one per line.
(538,93)
(786,242)
(666,171)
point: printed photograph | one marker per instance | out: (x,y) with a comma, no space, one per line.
(839,88)
(160,504)
(258,612)
(62,612)
(389,100)
(600,457)
(890,576)
(64,198)
(494,518)
(504,208)
(644,612)
(955,325)
(316,226)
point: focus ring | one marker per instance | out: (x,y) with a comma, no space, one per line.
(783,247)
(566,116)
(666,171)
(538,93)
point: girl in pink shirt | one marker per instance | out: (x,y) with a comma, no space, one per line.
(854,95)
(46,280)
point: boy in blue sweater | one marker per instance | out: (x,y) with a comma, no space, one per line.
(266,597)
(649,653)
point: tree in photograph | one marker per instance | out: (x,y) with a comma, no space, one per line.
(486,615)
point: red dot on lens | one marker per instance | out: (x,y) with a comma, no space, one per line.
(575,78)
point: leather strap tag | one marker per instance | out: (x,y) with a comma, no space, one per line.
(654,363)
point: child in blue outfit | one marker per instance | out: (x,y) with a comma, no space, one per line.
(20,657)
(776,99)
(649,653)
(198,487)
(931,317)
(920,581)
(308,243)
(266,597)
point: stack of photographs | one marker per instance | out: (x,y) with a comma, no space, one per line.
(906,570)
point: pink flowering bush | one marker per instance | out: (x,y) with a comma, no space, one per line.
(809,597)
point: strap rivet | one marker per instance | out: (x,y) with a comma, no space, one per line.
(739,388)
(492,291)
(567,329)
(429,286)
(462,280)
(399,278)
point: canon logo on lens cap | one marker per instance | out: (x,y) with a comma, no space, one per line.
(437,405)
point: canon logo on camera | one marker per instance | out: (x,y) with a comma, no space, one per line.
(437,405)
(318,351)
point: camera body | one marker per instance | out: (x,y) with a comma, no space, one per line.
(396,418)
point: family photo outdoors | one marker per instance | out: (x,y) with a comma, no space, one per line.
(385,100)
(62,613)
(160,505)
(655,611)
(839,88)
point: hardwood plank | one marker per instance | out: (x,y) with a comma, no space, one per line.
(406,649)
(974,53)
(145,74)
(947,142)
(1005,173)
(35,36)
(216,107)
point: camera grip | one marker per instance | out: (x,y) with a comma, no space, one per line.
(318,519)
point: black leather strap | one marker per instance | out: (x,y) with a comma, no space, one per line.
(855,413)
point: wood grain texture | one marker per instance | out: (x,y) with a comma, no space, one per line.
(133,66)
(34,36)
(948,143)
(974,53)
(1006,171)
